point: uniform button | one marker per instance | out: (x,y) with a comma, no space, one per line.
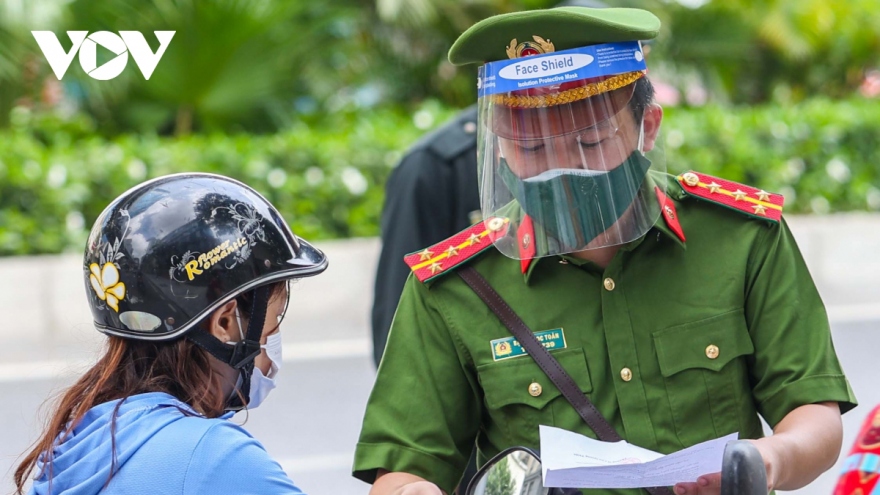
(691,179)
(469,127)
(626,374)
(535,389)
(609,284)
(712,351)
(495,224)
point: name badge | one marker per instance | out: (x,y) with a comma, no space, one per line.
(509,347)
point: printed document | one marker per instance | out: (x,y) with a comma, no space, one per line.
(571,460)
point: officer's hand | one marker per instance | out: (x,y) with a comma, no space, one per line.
(708,484)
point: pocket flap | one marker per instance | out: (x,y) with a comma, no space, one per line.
(710,343)
(508,382)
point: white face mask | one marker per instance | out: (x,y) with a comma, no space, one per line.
(261,384)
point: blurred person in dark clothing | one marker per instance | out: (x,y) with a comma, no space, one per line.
(441,169)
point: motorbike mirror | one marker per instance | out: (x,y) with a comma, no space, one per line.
(515,471)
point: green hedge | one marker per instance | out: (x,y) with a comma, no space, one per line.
(56,176)
(823,155)
(327,179)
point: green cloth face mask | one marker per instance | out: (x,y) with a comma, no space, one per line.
(574,206)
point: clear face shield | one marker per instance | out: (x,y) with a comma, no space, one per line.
(570,171)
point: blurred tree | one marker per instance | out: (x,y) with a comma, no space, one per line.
(751,51)
(232,64)
(261,65)
(22,75)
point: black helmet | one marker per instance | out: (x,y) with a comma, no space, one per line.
(166,253)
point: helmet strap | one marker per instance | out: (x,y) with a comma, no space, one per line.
(242,354)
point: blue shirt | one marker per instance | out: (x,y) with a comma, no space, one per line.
(162,446)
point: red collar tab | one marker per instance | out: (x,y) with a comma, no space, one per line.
(525,235)
(667,209)
(442,257)
(749,200)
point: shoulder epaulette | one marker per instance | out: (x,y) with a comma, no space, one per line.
(749,200)
(442,257)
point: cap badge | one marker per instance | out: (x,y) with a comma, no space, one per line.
(528,48)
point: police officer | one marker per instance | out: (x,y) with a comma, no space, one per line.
(679,305)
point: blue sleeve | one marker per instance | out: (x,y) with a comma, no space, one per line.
(229,460)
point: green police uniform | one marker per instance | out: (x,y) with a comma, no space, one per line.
(690,333)
(675,342)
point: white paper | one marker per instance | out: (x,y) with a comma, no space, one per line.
(571,460)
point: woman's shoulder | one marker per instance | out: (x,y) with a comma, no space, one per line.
(195,453)
(223,444)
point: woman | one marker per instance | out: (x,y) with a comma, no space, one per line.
(187,275)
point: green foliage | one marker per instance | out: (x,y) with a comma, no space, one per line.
(20,60)
(257,65)
(822,155)
(232,65)
(328,178)
(751,51)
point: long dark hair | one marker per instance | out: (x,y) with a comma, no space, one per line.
(129,367)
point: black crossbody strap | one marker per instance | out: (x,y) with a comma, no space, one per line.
(551,367)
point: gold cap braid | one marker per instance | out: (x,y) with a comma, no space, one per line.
(567,96)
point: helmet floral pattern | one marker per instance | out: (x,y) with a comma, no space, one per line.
(105,282)
(104,275)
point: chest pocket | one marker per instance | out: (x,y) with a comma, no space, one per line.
(704,367)
(517,393)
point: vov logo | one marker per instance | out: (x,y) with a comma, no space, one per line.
(87,45)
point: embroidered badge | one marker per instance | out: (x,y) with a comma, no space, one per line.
(527,48)
(509,347)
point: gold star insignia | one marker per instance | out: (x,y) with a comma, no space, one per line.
(435,268)
(425,255)
(760,209)
(713,187)
(739,195)
(451,251)
(474,239)
(763,195)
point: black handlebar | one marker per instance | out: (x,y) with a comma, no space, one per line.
(743,470)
